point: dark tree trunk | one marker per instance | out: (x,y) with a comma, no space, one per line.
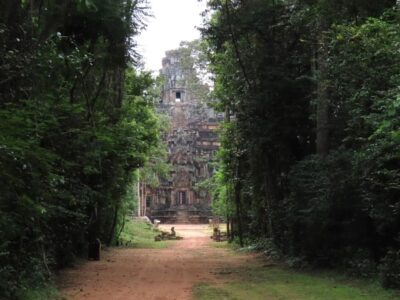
(112,229)
(238,202)
(270,194)
(320,70)
(228,227)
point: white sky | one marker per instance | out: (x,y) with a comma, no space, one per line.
(174,21)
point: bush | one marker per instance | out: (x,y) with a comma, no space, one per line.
(297,262)
(390,269)
(362,265)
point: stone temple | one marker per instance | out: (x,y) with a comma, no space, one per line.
(191,141)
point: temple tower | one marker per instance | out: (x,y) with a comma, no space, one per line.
(191,141)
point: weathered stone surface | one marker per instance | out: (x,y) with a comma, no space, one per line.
(192,142)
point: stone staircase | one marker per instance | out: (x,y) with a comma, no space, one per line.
(181,215)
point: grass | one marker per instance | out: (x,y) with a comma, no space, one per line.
(255,281)
(222,245)
(139,234)
(48,292)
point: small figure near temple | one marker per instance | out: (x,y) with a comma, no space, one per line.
(167,236)
(216,234)
(173,233)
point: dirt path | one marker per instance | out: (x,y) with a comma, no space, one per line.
(154,274)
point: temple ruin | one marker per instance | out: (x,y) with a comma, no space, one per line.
(192,142)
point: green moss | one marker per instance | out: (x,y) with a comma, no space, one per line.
(257,282)
(139,234)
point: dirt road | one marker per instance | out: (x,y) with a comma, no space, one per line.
(153,274)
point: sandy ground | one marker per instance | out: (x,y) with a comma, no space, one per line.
(159,274)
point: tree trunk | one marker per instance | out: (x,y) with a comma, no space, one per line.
(238,200)
(322,111)
(270,195)
(113,225)
(228,229)
(138,196)
(320,72)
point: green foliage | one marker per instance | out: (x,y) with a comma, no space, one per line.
(156,167)
(323,211)
(75,124)
(48,292)
(218,189)
(390,269)
(276,63)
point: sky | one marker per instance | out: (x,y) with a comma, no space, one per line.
(174,21)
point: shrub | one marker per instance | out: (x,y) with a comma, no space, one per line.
(362,265)
(390,269)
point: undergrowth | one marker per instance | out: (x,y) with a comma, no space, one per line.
(138,233)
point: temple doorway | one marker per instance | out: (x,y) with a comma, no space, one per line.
(182,198)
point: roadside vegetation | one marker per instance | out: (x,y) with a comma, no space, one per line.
(265,279)
(273,283)
(138,233)
(310,155)
(76,121)
(47,291)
